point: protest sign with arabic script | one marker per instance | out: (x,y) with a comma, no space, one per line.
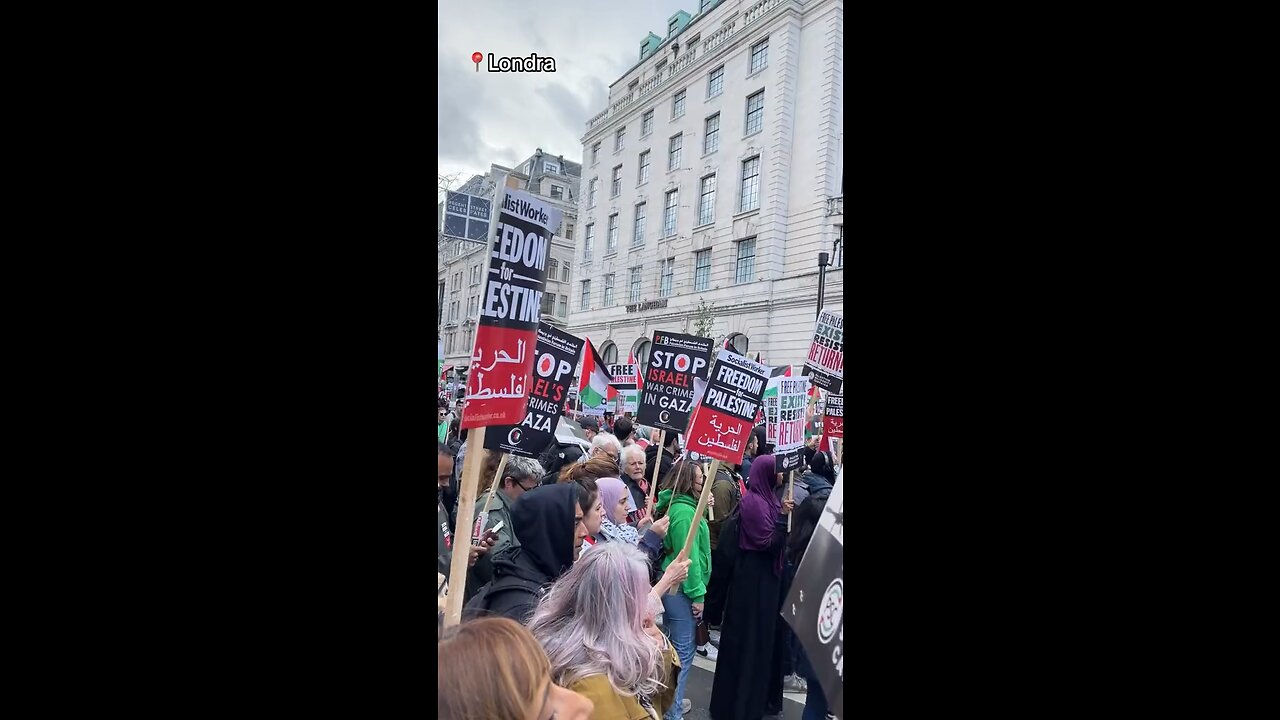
(833,421)
(555,356)
(815,604)
(825,362)
(502,358)
(676,364)
(722,423)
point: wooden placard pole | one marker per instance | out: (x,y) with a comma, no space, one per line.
(697,518)
(791,495)
(462,529)
(497,478)
(657,463)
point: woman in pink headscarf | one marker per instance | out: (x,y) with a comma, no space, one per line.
(754,543)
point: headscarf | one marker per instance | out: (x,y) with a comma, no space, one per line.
(759,508)
(611,491)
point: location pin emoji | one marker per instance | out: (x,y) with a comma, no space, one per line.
(476,58)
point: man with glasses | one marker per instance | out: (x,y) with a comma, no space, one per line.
(605,445)
(520,475)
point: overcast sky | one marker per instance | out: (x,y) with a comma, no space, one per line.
(503,117)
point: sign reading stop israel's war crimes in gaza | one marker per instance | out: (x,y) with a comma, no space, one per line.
(825,362)
(675,362)
(554,358)
(502,357)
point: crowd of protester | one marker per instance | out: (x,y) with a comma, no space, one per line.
(580,604)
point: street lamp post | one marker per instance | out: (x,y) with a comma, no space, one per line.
(824,260)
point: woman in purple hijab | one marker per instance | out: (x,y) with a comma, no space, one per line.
(747,634)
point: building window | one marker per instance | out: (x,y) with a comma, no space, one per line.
(473,306)
(466,338)
(595,153)
(553,268)
(637,238)
(608,290)
(631,86)
(664,280)
(760,55)
(755,113)
(617,182)
(837,249)
(475,275)
(591,192)
(610,354)
(611,239)
(750,198)
(568,232)
(657,71)
(669,215)
(550,166)
(557,192)
(707,200)
(586,295)
(564,306)
(588,245)
(671,26)
(619,139)
(457,281)
(453,311)
(740,343)
(677,105)
(705,4)
(702,270)
(440,303)
(644,168)
(642,353)
(673,151)
(564,272)
(448,342)
(711,135)
(635,285)
(646,124)
(715,82)
(746,261)
(548,303)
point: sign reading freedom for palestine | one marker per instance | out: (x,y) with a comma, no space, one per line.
(500,378)
(722,424)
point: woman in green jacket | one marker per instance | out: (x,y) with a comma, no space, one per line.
(682,610)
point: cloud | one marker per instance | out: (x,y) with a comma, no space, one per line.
(501,118)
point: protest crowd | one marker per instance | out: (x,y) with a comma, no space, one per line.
(581,599)
(608,546)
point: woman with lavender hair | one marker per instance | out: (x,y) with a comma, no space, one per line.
(597,625)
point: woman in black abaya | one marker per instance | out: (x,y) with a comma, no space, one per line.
(747,634)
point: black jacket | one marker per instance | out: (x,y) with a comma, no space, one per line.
(651,456)
(543,520)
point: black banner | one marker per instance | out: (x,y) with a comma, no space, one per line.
(554,359)
(518,262)
(675,361)
(825,362)
(815,604)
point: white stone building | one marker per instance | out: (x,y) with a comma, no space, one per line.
(462,264)
(716,174)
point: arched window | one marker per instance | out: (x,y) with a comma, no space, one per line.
(739,343)
(641,351)
(610,354)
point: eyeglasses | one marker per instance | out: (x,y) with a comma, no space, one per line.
(526,489)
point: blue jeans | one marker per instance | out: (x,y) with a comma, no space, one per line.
(815,702)
(678,624)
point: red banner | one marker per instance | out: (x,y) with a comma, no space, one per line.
(833,420)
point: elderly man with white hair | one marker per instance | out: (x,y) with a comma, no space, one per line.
(633,465)
(605,444)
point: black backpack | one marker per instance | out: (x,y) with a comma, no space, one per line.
(479,605)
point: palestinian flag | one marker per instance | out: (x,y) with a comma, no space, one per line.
(771,389)
(594,389)
(631,360)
